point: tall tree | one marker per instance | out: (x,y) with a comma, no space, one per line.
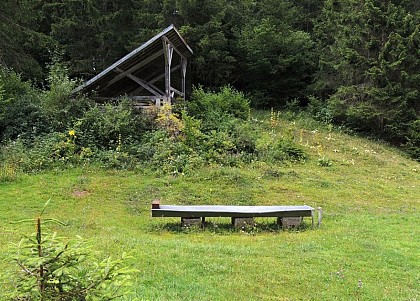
(370,65)
(24,47)
(279,58)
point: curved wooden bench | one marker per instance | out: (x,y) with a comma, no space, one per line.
(235,212)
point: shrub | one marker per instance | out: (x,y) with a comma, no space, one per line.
(260,99)
(166,154)
(324,162)
(8,172)
(214,109)
(120,158)
(24,118)
(43,152)
(21,113)
(272,148)
(169,121)
(320,110)
(58,102)
(244,137)
(102,125)
(191,133)
(12,84)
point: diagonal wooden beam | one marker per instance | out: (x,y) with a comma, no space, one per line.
(163,75)
(143,83)
(177,91)
(155,79)
(151,85)
(134,68)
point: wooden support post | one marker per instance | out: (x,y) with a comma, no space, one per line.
(168,52)
(183,75)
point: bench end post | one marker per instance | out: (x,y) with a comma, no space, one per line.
(156,204)
(319,216)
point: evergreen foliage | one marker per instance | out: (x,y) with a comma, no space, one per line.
(52,268)
(370,67)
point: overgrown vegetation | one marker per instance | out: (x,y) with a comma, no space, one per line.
(323,68)
(366,248)
(357,61)
(214,128)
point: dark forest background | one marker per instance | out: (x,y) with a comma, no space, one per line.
(353,63)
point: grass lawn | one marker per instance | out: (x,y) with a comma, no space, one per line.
(366,249)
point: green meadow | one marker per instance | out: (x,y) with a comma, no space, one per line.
(367,247)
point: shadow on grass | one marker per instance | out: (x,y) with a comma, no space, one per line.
(223,228)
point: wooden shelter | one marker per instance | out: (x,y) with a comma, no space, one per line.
(154,73)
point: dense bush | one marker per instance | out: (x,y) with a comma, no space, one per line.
(215,109)
(21,113)
(320,110)
(102,126)
(44,152)
(215,129)
(58,102)
(272,148)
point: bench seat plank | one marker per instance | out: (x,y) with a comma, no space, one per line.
(232,211)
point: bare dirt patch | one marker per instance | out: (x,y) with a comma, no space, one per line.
(80,194)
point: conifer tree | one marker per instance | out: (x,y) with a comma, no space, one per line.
(370,65)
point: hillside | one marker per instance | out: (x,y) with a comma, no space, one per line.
(366,248)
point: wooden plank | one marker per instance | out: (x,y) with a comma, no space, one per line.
(151,98)
(139,89)
(232,211)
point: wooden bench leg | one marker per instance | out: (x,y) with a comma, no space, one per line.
(241,222)
(289,222)
(312,217)
(190,221)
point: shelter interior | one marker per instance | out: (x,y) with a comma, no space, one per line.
(152,74)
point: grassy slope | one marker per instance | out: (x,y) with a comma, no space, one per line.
(367,248)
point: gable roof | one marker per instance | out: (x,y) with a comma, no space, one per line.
(145,62)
